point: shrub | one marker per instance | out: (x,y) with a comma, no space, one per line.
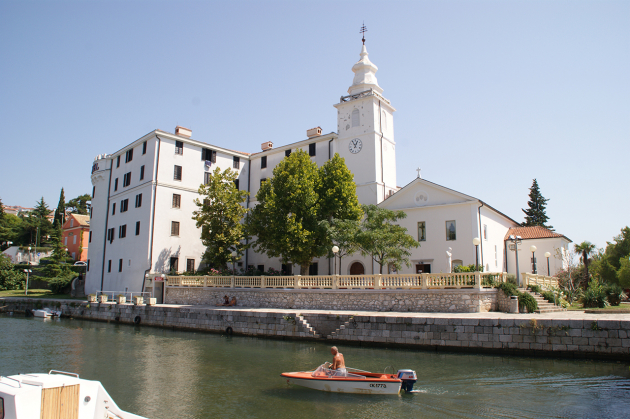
(59,284)
(527,301)
(549,296)
(508,289)
(10,277)
(467,268)
(535,288)
(594,296)
(614,294)
(489,281)
(511,278)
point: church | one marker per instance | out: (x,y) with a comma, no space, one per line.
(143,200)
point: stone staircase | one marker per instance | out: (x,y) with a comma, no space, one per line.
(336,333)
(544,306)
(306,325)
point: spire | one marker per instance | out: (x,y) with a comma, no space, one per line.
(364,72)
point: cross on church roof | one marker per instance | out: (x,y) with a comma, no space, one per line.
(418,170)
(363,31)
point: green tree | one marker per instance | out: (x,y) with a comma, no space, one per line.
(343,234)
(381,238)
(40,213)
(10,278)
(585,249)
(60,212)
(535,215)
(78,205)
(609,264)
(219,216)
(287,222)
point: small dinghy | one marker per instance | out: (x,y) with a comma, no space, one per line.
(353,381)
(56,395)
(46,312)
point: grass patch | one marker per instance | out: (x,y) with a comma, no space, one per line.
(578,307)
(35,293)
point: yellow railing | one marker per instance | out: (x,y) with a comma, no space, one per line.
(390,281)
(542,281)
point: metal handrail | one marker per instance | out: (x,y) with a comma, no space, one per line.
(64,373)
(18,381)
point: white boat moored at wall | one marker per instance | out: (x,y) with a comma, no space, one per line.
(56,395)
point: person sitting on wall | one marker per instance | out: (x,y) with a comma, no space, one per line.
(233,302)
(226,301)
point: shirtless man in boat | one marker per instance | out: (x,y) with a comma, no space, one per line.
(339,364)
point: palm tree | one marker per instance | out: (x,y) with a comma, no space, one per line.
(586,248)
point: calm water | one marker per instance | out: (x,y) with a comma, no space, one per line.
(170,374)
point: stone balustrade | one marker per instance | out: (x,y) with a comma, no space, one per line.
(545,282)
(363,282)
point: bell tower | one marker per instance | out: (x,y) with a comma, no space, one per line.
(365,125)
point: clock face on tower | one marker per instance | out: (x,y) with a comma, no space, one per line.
(355,146)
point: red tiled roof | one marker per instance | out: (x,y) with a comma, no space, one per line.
(535,232)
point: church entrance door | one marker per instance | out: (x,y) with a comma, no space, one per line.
(357,269)
(423,268)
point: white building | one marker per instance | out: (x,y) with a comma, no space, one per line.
(143,197)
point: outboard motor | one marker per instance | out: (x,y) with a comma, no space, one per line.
(408,378)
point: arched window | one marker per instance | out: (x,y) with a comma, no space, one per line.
(355,118)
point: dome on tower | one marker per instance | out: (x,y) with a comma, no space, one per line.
(364,75)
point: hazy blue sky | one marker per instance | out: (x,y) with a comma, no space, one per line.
(490,94)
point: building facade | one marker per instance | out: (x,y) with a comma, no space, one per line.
(143,197)
(75,236)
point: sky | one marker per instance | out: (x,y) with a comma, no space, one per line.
(489,94)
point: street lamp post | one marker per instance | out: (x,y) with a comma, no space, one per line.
(532,249)
(28,271)
(476,242)
(516,240)
(547,254)
(335,250)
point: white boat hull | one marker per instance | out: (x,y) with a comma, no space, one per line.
(347,386)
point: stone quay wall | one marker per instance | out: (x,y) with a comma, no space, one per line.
(603,339)
(425,301)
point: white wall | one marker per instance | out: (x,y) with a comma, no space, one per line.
(551,245)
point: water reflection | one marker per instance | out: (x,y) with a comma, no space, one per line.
(164,374)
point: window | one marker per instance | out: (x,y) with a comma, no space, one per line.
(144,148)
(113,208)
(286,269)
(118,161)
(451,231)
(262,180)
(287,153)
(236,163)
(178,173)
(90,238)
(122,231)
(142,172)
(311,149)
(109,265)
(137,228)
(74,239)
(119,265)
(179,147)
(236,183)
(312,269)
(93,191)
(485,232)
(209,155)
(74,254)
(177,200)
(115,184)
(496,260)
(127,179)
(355,118)
(457,262)
(422,231)
(174,228)
(190,265)
(124,205)
(88,267)
(206,178)
(263,162)
(71,223)
(129,156)
(261,268)
(174,265)
(110,234)
(65,241)
(138,200)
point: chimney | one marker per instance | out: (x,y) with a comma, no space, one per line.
(267,145)
(183,132)
(314,132)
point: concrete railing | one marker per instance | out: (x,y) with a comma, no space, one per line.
(391,281)
(542,281)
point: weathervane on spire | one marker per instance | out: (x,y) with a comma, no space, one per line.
(363,31)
